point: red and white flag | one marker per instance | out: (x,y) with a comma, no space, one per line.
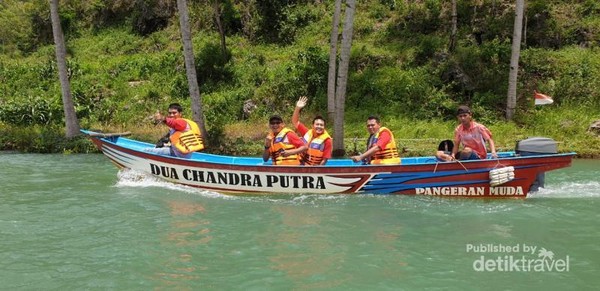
(542,99)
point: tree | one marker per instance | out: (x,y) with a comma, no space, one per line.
(333,41)
(190,68)
(342,79)
(217,8)
(511,98)
(71,122)
(452,45)
(246,8)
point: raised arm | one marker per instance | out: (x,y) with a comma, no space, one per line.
(299,105)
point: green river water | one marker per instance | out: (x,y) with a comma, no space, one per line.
(72,222)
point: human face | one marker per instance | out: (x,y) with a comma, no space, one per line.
(319,126)
(173,113)
(464,118)
(373,126)
(276,125)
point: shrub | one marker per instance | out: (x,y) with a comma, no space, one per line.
(31,111)
(42,139)
(212,66)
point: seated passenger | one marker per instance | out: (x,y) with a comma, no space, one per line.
(472,136)
(318,141)
(184,135)
(282,145)
(381,146)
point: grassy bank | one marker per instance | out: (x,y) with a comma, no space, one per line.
(416,137)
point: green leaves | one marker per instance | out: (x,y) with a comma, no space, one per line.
(31,111)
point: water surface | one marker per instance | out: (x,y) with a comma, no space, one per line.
(76,222)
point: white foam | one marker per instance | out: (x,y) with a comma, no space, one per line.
(137,179)
(585,189)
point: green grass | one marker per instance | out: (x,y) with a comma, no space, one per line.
(118,79)
(567,126)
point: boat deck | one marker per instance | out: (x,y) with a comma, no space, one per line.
(231,160)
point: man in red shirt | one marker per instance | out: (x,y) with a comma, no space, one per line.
(184,136)
(381,146)
(318,141)
(472,136)
(282,145)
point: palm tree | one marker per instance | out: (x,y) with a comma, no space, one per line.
(342,79)
(511,98)
(452,45)
(333,41)
(190,67)
(71,122)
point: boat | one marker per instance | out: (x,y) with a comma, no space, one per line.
(512,174)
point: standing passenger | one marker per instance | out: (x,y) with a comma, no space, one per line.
(318,141)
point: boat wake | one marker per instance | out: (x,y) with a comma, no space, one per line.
(585,189)
(136,179)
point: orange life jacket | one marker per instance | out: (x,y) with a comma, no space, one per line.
(314,155)
(279,144)
(387,155)
(189,140)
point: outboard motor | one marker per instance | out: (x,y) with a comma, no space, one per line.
(535,146)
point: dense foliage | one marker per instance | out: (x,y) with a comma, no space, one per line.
(125,59)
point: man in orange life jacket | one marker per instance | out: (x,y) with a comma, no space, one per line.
(317,140)
(381,147)
(184,135)
(282,144)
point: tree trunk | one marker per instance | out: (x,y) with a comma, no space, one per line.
(190,67)
(525,30)
(217,10)
(452,45)
(342,79)
(246,18)
(333,41)
(72,124)
(511,98)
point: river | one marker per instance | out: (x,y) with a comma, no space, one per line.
(76,222)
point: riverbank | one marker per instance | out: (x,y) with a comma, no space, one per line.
(414,137)
(400,69)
